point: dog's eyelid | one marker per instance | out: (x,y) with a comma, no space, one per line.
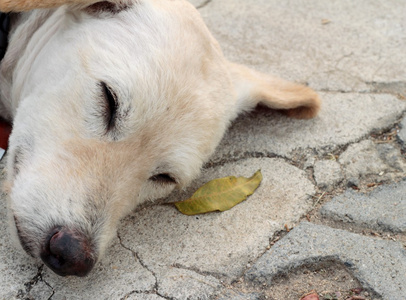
(101,7)
(164,178)
(111,103)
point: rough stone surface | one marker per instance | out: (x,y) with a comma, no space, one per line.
(366,158)
(175,283)
(383,209)
(344,118)
(353,54)
(327,174)
(379,265)
(343,45)
(221,243)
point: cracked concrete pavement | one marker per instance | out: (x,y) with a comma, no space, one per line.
(336,182)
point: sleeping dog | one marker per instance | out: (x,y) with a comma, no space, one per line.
(114,103)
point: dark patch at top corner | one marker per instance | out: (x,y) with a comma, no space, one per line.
(4,31)
(107,7)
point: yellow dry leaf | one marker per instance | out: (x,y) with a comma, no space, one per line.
(220,194)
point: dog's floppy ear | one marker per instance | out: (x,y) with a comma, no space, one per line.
(252,88)
(94,5)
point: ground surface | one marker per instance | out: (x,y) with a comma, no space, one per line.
(330,215)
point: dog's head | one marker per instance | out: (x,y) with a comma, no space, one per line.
(114,105)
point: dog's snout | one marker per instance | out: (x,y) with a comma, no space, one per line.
(67,252)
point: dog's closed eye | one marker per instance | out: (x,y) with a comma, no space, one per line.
(111,106)
(163,178)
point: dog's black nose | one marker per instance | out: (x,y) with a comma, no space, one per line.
(67,252)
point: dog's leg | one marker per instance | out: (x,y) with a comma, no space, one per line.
(254,87)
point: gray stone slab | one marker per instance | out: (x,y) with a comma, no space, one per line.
(380,266)
(344,118)
(176,283)
(366,159)
(221,243)
(383,209)
(327,174)
(339,45)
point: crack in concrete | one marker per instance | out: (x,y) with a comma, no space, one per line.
(47,284)
(235,157)
(205,3)
(276,237)
(361,229)
(216,275)
(144,265)
(162,296)
(32,283)
(397,89)
(300,156)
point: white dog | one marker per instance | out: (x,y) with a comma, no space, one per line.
(114,103)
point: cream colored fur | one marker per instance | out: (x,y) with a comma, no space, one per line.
(177,95)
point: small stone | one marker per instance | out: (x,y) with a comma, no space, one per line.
(325,21)
(312,296)
(357,291)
